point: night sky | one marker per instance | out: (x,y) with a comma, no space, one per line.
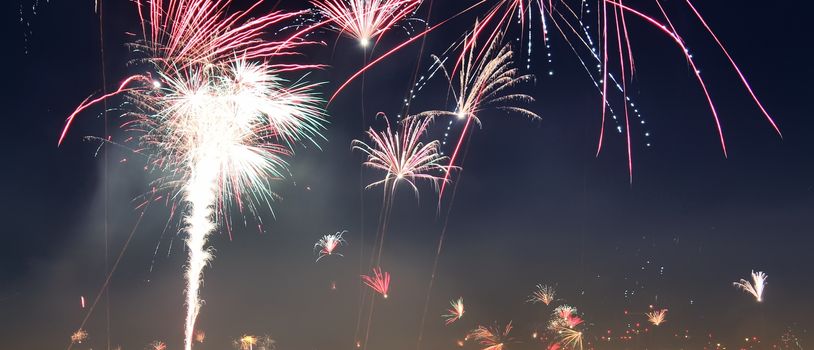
(533,204)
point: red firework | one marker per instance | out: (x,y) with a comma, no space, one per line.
(379,281)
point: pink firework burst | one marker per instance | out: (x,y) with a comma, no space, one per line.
(365,20)
(328,244)
(565,316)
(403,156)
(379,281)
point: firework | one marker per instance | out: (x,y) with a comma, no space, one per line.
(218,115)
(492,338)
(379,281)
(455,312)
(328,244)
(365,20)
(403,157)
(657,317)
(266,343)
(200,336)
(157,345)
(544,294)
(79,336)
(756,287)
(564,316)
(569,337)
(224,137)
(246,342)
(483,81)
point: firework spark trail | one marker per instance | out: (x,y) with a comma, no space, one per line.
(110,273)
(200,194)
(756,287)
(365,20)
(439,247)
(737,69)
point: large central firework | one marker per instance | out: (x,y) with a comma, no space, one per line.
(223,127)
(216,114)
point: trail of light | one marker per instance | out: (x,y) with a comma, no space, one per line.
(624,95)
(737,69)
(604,74)
(110,273)
(200,194)
(454,157)
(674,35)
(85,104)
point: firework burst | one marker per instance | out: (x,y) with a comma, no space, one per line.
(200,336)
(493,337)
(365,20)
(328,244)
(246,342)
(455,312)
(379,281)
(79,336)
(756,287)
(403,157)
(544,294)
(564,316)
(218,115)
(223,132)
(484,79)
(157,345)
(657,317)
(570,338)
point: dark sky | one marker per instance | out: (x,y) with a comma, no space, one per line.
(534,205)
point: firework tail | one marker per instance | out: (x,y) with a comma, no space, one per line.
(200,194)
